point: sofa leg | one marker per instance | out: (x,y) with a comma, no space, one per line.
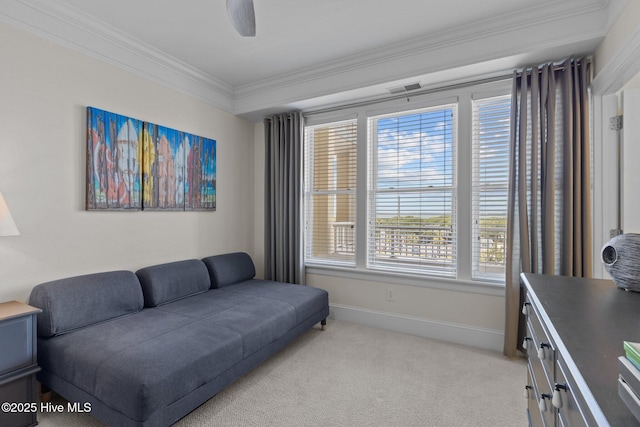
(323,325)
(45,393)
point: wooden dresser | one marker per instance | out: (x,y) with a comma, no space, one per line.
(575,333)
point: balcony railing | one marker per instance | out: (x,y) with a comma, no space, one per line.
(398,241)
(344,237)
(492,245)
(413,244)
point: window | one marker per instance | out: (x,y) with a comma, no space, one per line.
(420,190)
(491,126)
(330,191)
(412,205)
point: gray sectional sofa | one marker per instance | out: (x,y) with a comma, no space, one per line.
(146,348)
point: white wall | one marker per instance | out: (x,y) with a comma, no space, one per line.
(619,34)
(44,92)
(258,201)
(463,317)
(617,61)
(630,101)
(634,83)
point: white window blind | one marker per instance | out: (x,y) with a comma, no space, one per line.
(490,134)
(412,197)
(330,192)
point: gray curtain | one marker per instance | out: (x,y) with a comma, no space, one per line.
(283,198)
(549,207)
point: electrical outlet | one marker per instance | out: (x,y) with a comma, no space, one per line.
(391,296)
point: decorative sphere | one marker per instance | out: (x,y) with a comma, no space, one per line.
(621,258)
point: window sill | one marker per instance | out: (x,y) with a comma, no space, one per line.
(444,283)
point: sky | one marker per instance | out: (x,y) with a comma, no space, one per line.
(416,151)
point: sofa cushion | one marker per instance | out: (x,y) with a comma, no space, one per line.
(306,300)
(168,282)
(229,269)
(204,305)
(144,362)
(258,321)
(75,302)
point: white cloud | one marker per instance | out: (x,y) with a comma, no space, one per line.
(417,159)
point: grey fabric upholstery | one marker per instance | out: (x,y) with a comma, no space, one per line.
(75,302)
(305,300)
(178,409)
(257,321)
(163,283)
(139,364)
(154,366)
(229,269)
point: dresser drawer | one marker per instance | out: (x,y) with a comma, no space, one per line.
(19,390)
(572,411)
(17,350)
(540,413)
(543,345)
(539,370)
(533,410)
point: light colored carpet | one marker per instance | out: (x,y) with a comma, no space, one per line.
(353,375)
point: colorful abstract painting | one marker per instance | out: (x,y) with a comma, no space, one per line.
(140,165)
(113,172)
(201,174)
(165,181)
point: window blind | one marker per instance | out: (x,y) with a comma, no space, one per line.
(330,192)
(490,185)
(412,194)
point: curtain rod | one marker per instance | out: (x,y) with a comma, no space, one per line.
(406,95)
(558,67)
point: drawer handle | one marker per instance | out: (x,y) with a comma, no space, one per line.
(526,391)
(541,353)
(525,308)
(557,397)
(525,342)
(543,403)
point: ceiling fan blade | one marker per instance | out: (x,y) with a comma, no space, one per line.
(242,16)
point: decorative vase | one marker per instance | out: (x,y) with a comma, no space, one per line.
(621,257)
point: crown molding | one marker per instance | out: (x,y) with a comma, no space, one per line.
(74,29)
(623,66)
(491,39)
(488,41)
(541,14)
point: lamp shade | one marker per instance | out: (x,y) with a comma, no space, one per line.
(7,226)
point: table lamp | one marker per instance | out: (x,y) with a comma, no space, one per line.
(7,226)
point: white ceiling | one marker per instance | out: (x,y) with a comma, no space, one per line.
(309,53)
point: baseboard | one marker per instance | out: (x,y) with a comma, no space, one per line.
(451,332)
